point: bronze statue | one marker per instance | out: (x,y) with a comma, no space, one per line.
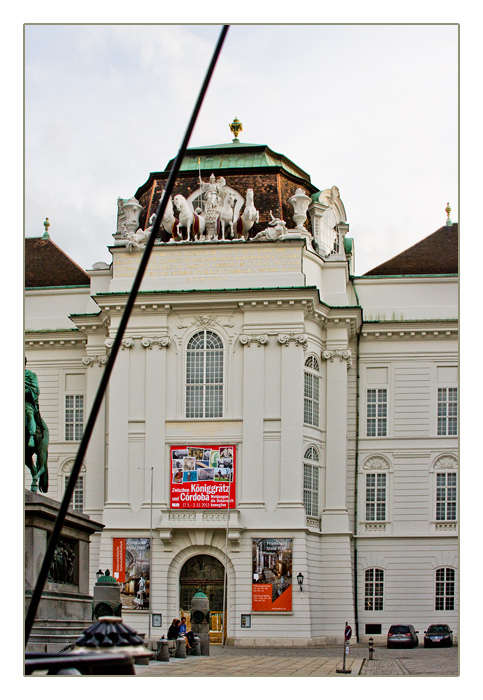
(36,435)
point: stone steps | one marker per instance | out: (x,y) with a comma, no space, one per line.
(51,636)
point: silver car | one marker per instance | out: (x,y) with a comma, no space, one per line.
(402,635)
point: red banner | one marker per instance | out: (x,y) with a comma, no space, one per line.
(203,477)
(119,559)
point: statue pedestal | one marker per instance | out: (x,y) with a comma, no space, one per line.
(65,608)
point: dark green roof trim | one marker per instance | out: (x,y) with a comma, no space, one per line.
(65,286)
(210,291)
(384,277)
(414,320)
(52,330)
(95,314)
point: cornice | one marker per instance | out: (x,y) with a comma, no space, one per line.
(397,330)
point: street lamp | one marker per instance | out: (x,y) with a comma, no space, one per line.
(99,574)
(300,580)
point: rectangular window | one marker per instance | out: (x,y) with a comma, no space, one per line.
(376,412)
(375,497)
(446,496)
(74,416)
(448,411)
(77,501)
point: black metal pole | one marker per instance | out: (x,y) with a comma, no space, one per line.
(54,538)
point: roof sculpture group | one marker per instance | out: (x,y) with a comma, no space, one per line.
(214,212)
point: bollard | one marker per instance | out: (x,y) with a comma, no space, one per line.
(180,648)
(371,648)
(197,648)
(162,652)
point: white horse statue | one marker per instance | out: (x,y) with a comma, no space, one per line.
(188,219)
(225,219)
(169,222)
(249,217)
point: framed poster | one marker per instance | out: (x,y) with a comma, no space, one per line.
(132,570)
(272,574)
(202,477)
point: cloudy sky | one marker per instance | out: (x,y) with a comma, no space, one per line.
(372,109)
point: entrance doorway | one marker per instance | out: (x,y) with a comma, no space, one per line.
(206,573)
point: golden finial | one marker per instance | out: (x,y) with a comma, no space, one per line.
(448,212)
(235,127)
(46,225)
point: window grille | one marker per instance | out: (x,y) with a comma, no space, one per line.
(74,416)
(311,391)
(445,589)
(446,496)
(374,589)
(376,497)
(204,376)
(311,482)
(448,411)
(376,412)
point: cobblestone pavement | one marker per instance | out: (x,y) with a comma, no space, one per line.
(313,662)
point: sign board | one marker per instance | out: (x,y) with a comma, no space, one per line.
(131,560)
(202,476)
(272,574)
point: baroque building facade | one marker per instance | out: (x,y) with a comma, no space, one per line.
(269,413)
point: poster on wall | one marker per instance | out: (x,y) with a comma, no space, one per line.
(131,567)
(272,575)
(203,477)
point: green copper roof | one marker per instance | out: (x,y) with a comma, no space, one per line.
(237,155)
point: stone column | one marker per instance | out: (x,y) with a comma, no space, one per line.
(335,516)
(156,362)
(117,474)
(251,491)
(292,418)
(95,455)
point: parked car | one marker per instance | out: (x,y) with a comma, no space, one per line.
(438,634)
(404,635)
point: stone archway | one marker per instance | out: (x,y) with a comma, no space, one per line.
(204,572)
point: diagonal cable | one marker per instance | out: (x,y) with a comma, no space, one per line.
(54,538)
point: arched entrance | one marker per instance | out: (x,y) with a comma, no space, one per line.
(207,573)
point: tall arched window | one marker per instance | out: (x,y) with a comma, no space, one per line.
(311,482)
(445,589)
(204,376)
(311,391)
(374,589)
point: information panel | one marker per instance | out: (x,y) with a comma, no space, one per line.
(203,477)
(272,574)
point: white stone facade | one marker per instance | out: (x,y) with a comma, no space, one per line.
(273,304)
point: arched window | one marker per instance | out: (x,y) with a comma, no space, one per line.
(374,589)
(445,589)
(311,391)
(311,482)
(204,376)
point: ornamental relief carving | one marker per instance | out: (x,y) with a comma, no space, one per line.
(163,342)
(297,338)
(376,462)
(91,360)
(343,355)
(247,340)
(446,462)
(126,343)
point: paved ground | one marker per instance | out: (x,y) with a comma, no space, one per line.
(316,661)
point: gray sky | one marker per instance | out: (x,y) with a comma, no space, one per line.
(372,109)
